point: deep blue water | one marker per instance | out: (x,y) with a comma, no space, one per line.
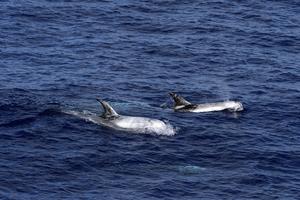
(60,55)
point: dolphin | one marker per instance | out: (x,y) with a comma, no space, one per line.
(110,118)
(183,105)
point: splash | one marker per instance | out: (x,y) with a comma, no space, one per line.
(166,129)
(85,115)
(223,89)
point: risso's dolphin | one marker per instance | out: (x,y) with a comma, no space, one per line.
(183,105)
(112,119)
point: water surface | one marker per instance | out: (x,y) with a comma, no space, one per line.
(61,55)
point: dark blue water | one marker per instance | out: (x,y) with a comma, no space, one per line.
(60,55)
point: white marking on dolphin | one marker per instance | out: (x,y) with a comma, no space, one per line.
(110,118)
(183,105)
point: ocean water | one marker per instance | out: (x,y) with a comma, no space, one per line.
(57,56)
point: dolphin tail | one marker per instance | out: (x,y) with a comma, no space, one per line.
(109,112)
(179,101)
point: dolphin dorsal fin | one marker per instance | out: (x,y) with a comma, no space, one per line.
(109,112)
(179,101)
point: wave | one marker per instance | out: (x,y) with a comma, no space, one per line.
(19,122)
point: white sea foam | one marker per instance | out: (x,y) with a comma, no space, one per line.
(85,115)
(190,169)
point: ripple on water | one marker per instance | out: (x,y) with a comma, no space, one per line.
(58,56)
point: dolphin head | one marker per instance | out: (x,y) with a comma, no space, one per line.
(235,106)
(239,106)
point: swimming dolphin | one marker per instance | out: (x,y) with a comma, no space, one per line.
(183,105)
(112,119)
